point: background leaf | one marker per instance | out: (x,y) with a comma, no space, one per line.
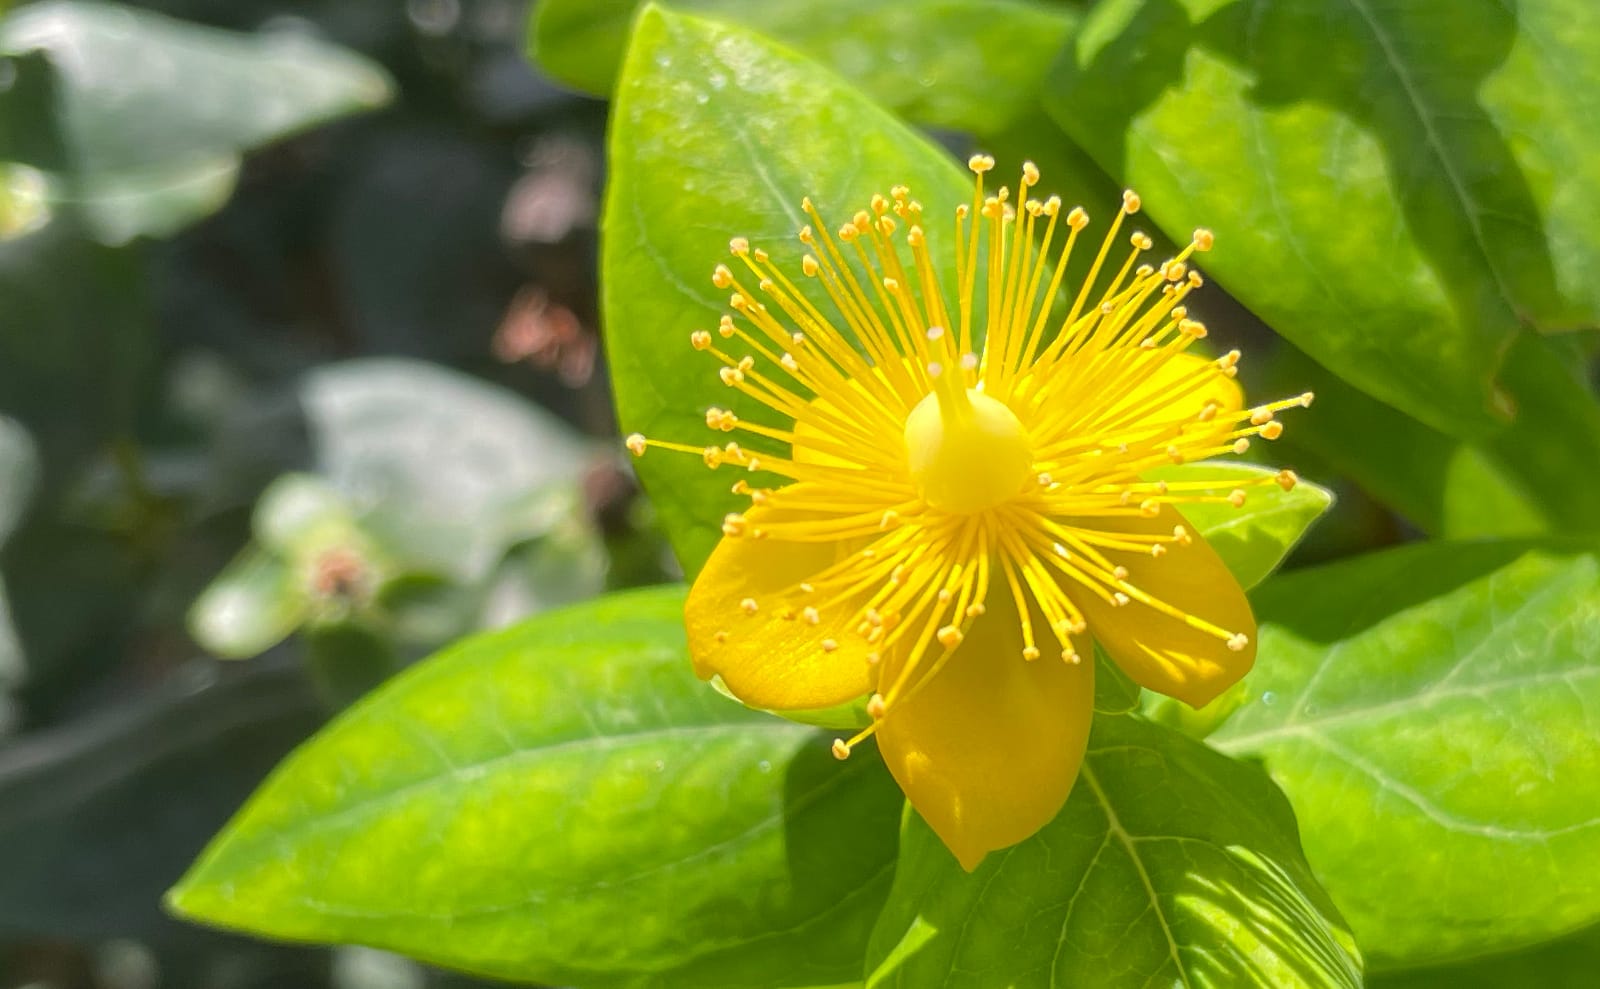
(108,134)
(100,815)
(1435,707)
(1569,963)
(1170,865)
(972,65)
(1536,476)
(19,470)
(564,802)
(437,461)
(720,133)
(1400,209)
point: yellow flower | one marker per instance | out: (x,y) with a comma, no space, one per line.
(949,522)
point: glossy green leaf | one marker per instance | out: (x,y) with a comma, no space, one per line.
(719,133)
(1570,963)
(1255,537)
(972,65)
(1170,865)
(1397,188)
(254,604)
(563,802)
(1436,708)
(146,116)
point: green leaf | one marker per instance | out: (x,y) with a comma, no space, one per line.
(563,802)
(1255,537)
(1537,476)
(719,133)
(254,604)
(1570,963)
(1396,188)
(146,117)
(1170,865)
(972,65)
(1436,708)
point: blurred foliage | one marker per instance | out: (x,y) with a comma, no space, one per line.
(300,367)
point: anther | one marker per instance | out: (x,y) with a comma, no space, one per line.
(841,750)
(830,645)
(807,588)
(1305,400)
(720,637)
(980,163)
(1261,417)
(969,361)
(733,524)
(722,277)
(1119,599)
(739,246)
(725,327)
(1045,480)
(811,615)
(876,708)
(760,255)
(748,606)
(808,264)
(1141,241)
(950,636)
(1238,642)
(1120,572)
(1158,550)
(889,518)
(1149,508)
(1204,239)
(1071,657)
(1030,653)
(976,609)
(1209,412)
(1287,479)
(1181,536)
(1077,219)
(1236,497)
(700,340)
(1240,445)
(635,444)
(1272,430)
(1130,201)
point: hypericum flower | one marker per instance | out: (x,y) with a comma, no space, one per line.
(958,500)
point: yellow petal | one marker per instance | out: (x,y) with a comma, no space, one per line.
(1161,652)
(766,659)
(1161,379)
(987,751)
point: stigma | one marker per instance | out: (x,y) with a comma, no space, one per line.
(967,452)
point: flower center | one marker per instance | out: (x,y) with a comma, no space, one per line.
(967,451)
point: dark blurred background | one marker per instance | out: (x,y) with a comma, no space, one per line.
(354,413)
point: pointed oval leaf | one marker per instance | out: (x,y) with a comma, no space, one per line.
(1437,707)
(1170,865)
(564,803)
